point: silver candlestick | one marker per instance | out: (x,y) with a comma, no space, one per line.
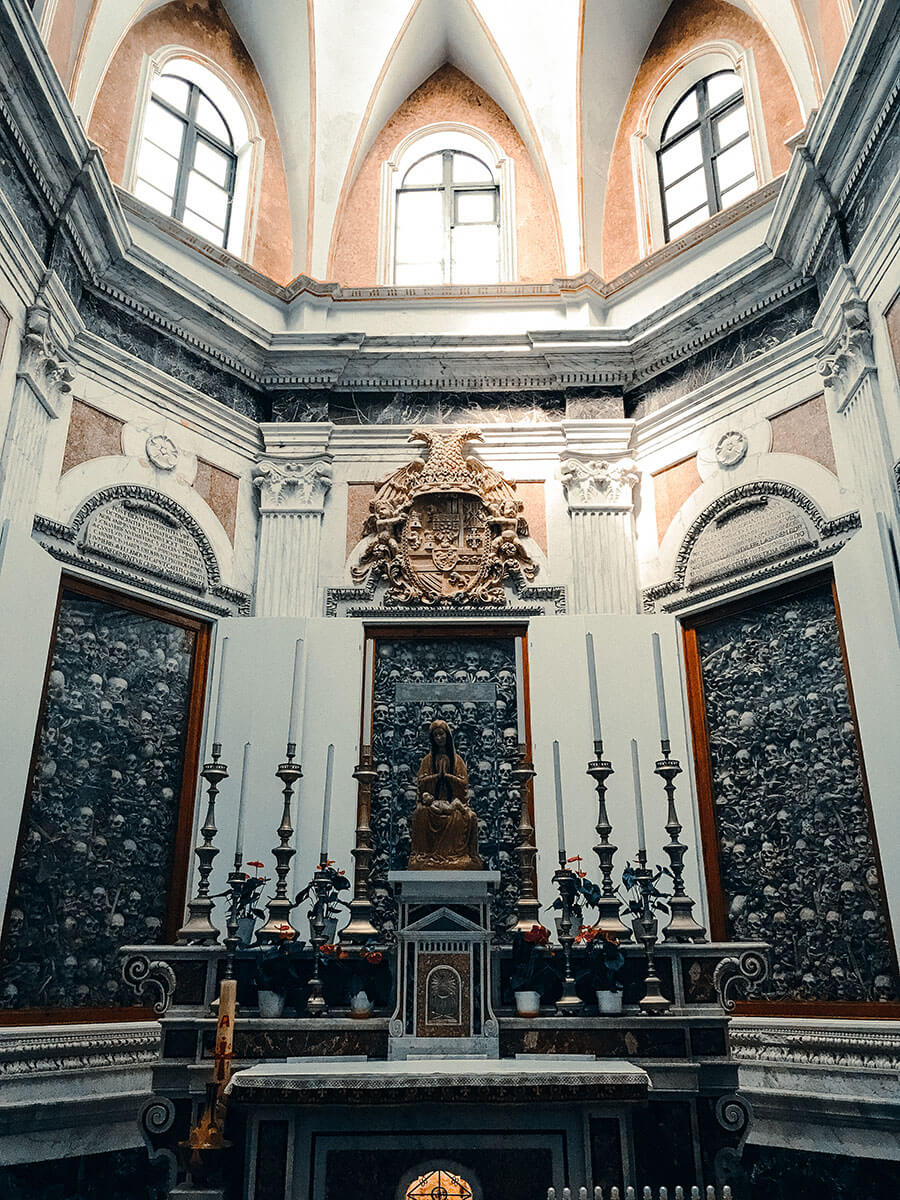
(608,906)
(279,907)
(646,928)
(681,927)
(198,927)
(360,929)
(528,906)
(566,881)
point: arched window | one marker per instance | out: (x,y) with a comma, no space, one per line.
(705,157)
(187,163)
(196,150)
(446,210)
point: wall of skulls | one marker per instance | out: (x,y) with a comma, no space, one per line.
(97,844)
(796,848)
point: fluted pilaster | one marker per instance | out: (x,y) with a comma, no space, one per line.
(599,495)
(291,505)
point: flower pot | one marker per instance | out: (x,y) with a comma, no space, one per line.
(271,1004)
(528,1004)
(360,1006)
(245,928)
(609,1002)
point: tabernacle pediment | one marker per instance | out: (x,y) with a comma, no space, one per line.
(443,920)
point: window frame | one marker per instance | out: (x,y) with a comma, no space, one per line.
(704,124)
(248,143)
(454,137)
(661,100)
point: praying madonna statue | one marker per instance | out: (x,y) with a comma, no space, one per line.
(444,828)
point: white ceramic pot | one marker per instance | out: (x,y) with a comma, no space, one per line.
(528,1004)
(609,1002)
(271,1004)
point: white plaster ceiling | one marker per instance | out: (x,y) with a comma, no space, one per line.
(371,54)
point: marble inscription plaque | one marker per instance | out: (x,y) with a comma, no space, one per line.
(445,693)
(145,537)
(758,531)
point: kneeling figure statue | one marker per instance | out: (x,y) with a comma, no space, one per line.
(444,831)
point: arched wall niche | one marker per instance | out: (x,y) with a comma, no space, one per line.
(687,27)
(205,31)
(447,96)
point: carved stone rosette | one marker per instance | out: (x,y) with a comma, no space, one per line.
(445,530)
(292,497)
(599,495)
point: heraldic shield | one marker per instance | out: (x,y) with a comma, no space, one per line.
(446,529)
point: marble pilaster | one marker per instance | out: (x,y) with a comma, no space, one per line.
(599,496)
(292,497)
(43,380)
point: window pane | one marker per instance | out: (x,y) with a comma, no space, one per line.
(154,197)
(157,167)
(213,163)
(172,89)
(418,274)
(681,158)
(475,254)
(212,233)
(731,126)
(739,191)
(163,129)
(207,199)
(686,196)
(682,116)
(420,232)
(722,85)
(476,207)
(734,164)
(208,118)
(468,169)
(681,227)
(427,172)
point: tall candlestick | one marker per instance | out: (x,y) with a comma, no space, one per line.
(242,803)
(220,694)
(368,674)
(660,691)
(638,798)
(592,687)
(520,693)
(326,811)
(560,820)
(294,720)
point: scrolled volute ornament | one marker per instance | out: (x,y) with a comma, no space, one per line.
(157,1115)
(445,530)
(141,973)
(733,1113)
(599,483)
(292,485)
(752,966)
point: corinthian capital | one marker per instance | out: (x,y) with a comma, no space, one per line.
(599,484)
(286,485)
(42,365)
(850,353)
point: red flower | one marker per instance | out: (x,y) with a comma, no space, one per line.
(328,949)
(287,933)
(574,858)
(258,865)
(586,934)
(537,935)
(373,956)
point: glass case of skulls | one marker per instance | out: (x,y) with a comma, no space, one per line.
(796,851)
(469,681)
(105,812)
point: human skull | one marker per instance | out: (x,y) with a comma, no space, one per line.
(471,659)
(95,686)
(383,771)
(57,684)
(16,921)
(510,739)
(98,899)
(441,677)
(504,772)
(117,687)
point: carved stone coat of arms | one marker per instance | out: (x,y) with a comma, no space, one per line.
(446,529)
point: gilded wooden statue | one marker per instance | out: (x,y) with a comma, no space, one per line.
(444,829)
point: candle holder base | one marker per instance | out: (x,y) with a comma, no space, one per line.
(682,927)
(315,1004)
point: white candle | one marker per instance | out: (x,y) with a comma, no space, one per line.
(239,839)
(368,673)
(560,820)
(326,811)
(220,694)
(592,687)
(520,692)
(638,798)
(295,719)
(660,690)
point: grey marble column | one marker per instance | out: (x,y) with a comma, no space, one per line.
(43,380)
(291,505)
(599,495)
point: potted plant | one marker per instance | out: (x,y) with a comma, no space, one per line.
(605,963)
(530,969)
(246,911)
(361,970)
(276,973)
